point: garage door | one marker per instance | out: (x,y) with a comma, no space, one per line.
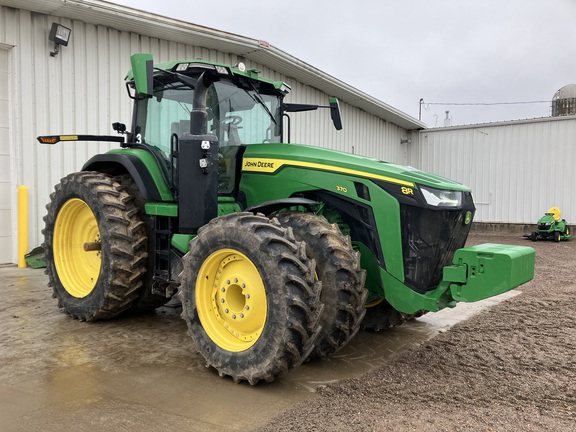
(5,186)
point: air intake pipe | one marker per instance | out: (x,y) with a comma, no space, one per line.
(197,165)
(199,116)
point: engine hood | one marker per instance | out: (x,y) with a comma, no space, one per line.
(273,157)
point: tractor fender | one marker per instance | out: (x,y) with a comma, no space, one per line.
(269,207)
(116,164)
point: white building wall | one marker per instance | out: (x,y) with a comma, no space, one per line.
(362,133)
(5,158)
(517,170)
(81,90)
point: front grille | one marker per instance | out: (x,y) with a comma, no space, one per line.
(430,236)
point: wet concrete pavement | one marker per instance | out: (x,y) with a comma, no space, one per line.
(142,372)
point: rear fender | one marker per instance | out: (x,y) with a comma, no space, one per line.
(117,164)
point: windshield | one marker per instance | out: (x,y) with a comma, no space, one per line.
(235,115)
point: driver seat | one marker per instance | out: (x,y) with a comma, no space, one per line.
(554,212)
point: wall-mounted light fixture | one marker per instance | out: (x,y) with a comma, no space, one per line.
(60,35)
(406,141)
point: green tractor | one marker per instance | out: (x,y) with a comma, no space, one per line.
(551,226)
(279,253)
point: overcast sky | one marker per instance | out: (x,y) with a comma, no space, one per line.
(444,51)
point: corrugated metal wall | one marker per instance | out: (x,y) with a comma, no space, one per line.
(517,171)
(5,159)
(81,90)
(362,133)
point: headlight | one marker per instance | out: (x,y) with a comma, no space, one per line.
(441,198)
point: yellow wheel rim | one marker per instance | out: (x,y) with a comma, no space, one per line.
(231,300)
(372,302)
(77,269)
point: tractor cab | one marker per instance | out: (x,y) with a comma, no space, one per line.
(239,108)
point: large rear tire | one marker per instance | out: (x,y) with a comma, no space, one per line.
(249,297)
(338,268)
(95,246)
(147,299)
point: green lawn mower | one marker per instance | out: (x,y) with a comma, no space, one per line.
(551,227)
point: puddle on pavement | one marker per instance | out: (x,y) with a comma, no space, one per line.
(142,372)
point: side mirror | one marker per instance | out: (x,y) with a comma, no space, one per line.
(335,113)
(334,110)
(143,71)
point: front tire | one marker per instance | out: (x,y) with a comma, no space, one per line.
(90,210)
(338,268)
(249,297)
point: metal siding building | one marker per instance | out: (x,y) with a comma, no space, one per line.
(81,90)
(517,170)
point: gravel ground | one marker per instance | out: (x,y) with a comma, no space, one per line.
(508,368)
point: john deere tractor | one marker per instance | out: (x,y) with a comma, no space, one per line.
(279,253)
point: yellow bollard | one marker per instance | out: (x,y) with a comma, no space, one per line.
(22,225)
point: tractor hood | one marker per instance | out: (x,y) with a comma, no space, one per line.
(547,219)
(271,158)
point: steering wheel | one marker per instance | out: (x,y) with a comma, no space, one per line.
(232,120)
